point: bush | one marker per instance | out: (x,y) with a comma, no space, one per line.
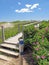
(47,34)
(29,33)
(44,24)
(39,40)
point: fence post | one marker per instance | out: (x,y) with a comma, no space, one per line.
(21,47)
(23,31)
(18,28)
(3,37)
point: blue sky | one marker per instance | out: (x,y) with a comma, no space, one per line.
(11,10)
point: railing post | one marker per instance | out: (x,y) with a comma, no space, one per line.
(23,31)
(3,37)
(21,47)
(18,28)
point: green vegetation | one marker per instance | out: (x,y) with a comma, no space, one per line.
(38,39)
(12,31)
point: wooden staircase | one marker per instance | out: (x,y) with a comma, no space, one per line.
(9,49)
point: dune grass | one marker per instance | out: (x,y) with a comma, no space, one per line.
(12,31)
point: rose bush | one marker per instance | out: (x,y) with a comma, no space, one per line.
(39,40)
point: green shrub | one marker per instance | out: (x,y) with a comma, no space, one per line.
(44,24)
(39,40)
(29,33)
(47,34)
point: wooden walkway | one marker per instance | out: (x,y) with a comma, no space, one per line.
(14,39)
(10,47)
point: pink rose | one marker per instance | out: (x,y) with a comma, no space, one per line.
(43,57)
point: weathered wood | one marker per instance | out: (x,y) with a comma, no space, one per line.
(21,47)
(11,46)
(14,40)
(6,51)
(3,57)
(3,36)
(18,28)
(23,32)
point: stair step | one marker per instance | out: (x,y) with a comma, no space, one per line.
(3,57)
(9,46)
(9,52)
(13,43)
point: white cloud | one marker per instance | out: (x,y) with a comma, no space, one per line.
(23,10)
(28,5)
(19,3)
(34,6)
(28,8)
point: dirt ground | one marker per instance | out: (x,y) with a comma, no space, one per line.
(27,60)
(12,62)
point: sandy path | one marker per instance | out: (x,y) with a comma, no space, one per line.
(13,62)
(27,60)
